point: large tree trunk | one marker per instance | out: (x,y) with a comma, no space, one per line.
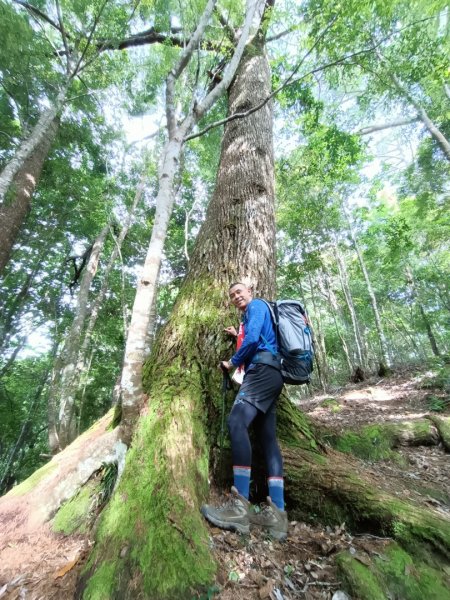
(137,339)
(16,205)
(166,477)
(151,540)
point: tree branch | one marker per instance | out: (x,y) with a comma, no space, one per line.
(278,36)
(37,12)
(381,126)
(229,31)
(63,35)
(182,63)
(231,68)
(78,68)
(290,81)
(287,82)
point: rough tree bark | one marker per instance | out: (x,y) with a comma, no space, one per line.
(171,449)
(15,208)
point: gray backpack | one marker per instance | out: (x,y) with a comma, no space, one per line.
(295,340)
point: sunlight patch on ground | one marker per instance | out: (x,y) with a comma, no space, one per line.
(372,394)
(406,416)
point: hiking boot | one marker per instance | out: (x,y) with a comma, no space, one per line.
(272,519)
(232,515)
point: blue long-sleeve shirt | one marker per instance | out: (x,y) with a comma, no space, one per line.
(257,322)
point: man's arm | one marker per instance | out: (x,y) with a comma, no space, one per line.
(256,312)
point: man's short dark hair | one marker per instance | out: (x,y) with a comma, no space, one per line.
(238,283)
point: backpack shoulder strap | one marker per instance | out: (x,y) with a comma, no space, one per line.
(273,310)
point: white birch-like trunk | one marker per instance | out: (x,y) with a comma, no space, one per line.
(98,302)
(135,349)
(335,312)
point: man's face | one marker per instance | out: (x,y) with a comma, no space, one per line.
(240,296)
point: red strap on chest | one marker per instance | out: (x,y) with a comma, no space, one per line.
(240,337)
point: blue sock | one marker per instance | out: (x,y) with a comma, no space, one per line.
(276,491)
(242,480)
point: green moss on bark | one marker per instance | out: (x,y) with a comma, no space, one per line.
(376,442)
(74,515)
(152,535)
(395,574)
(32,481)
(152,527)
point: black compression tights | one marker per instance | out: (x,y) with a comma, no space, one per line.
(241,417)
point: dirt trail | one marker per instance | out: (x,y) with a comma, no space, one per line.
(44,565)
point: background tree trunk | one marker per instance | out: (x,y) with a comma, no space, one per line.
(373,299)
(28,146)
(61,399)
(426,321)
(361,358)
(15,208)
(321,355)
(335,310)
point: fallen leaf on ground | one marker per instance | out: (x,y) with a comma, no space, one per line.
(66,568)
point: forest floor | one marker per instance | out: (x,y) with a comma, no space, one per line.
(46,565)
(255,568)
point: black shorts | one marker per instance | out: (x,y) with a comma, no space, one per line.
(261,387)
